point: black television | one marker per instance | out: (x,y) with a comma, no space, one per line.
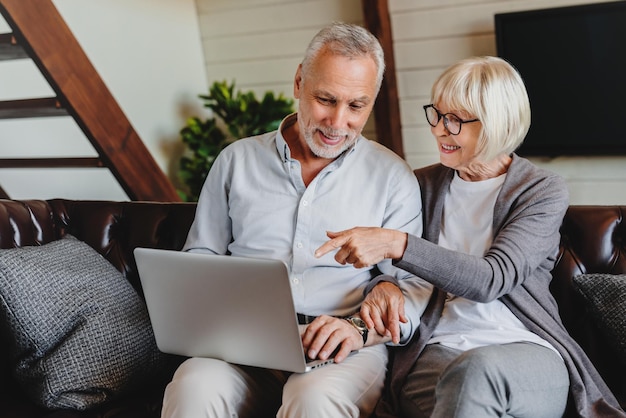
(573,62)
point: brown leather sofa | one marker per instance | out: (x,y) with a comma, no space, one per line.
(593,240)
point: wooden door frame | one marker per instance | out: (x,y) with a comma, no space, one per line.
(387,106)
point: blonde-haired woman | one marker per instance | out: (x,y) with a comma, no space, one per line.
(491,342)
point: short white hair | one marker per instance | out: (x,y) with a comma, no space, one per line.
(491,90)
(349,41)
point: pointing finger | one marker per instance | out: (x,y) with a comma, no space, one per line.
(329,246)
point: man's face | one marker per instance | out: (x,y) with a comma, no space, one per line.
(335,97)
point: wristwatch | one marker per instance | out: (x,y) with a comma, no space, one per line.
(360,326)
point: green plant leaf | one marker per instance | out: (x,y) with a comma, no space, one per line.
(241,113)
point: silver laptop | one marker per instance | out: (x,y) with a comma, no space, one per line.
(232,308)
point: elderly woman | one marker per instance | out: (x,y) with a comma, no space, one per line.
(491,343)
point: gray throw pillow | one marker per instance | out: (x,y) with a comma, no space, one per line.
(605,295)
(78,332)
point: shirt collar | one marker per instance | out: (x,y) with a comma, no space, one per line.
(281,144)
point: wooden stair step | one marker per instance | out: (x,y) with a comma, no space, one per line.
(31,108)
(47,162)
(10,49)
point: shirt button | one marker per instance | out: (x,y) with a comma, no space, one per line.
(305,203)
(299,245)
(296,280)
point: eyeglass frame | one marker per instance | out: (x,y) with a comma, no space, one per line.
(446,121)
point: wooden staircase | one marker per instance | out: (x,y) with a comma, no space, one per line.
(39,33)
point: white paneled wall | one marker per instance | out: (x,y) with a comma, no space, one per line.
(429,35)
(259,43)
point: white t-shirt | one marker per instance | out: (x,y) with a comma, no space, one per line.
(467,226)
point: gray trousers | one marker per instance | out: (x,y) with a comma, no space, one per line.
(510,380)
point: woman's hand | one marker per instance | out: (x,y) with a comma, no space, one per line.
(364,246)
(383,310)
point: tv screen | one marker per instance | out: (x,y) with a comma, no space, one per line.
(573,61)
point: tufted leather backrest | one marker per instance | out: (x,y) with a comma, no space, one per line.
(115,229)
(23,223)
(593,241)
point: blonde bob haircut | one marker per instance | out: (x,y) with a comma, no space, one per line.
(491,90)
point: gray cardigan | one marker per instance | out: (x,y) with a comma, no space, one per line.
(516,269)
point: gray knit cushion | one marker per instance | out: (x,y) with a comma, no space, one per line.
(79,333)
(605,295)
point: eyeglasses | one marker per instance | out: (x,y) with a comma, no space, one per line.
(450,121)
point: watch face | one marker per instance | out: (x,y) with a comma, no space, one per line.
(360,325)
(358,322)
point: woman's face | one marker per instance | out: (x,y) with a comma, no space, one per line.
(457,151)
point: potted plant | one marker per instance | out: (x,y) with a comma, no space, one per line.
(235,115)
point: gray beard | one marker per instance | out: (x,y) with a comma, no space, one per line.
(323,151)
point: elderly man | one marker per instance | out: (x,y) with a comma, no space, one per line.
(275,196)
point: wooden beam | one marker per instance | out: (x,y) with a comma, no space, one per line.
(387,107)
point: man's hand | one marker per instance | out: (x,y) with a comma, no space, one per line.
(364,246)
(383,310)
(322,337)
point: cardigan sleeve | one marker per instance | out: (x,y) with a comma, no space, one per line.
(524,245)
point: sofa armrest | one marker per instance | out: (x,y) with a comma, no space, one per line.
(593,240)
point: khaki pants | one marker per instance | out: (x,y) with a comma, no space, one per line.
(203,388)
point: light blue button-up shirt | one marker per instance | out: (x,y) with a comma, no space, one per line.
(254,204)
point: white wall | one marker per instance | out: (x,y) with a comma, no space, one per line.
(429,35)
(148,53)
(259,43)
